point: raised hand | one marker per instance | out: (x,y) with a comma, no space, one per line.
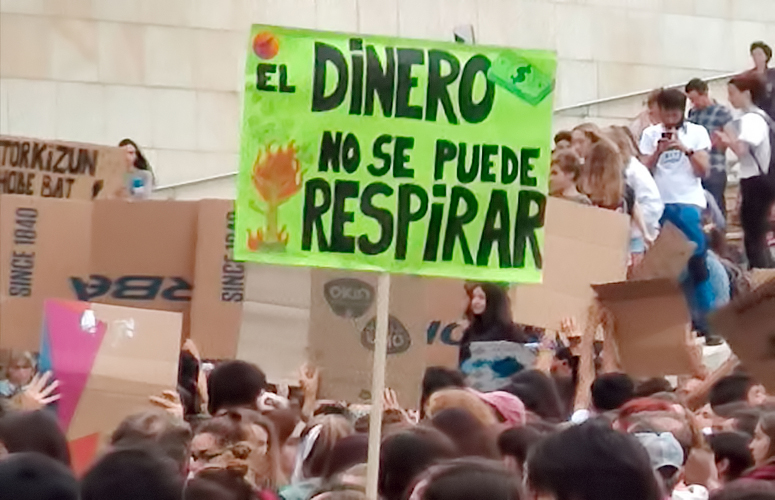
(570,327)
(191,348)
(309,378)
(38,394)
(170,402)
(390,400)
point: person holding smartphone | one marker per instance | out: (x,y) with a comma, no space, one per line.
(677,153)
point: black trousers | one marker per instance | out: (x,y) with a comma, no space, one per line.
(716,184)
(758,195)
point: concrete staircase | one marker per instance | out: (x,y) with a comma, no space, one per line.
(616,110)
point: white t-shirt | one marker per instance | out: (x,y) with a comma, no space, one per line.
(674,173)
(691,492)
(754,131)
(647,194)
(139,184)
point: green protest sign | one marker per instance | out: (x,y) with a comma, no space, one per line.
(394,155)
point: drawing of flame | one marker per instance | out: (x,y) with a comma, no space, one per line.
(277,176)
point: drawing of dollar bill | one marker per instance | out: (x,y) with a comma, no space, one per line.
(520,77)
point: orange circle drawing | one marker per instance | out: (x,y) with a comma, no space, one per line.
(265,45)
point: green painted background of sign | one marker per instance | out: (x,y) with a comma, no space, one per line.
(281,144)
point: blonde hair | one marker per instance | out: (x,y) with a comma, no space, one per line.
(18,358)
(270,471)
(622,137)
(568,162)
(603,181)
(591,130)
(172,434)
(230,426)
(22,356)
(332,429)
(464,399)
(653,96)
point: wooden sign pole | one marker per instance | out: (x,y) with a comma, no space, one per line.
(587,359)
(378,385)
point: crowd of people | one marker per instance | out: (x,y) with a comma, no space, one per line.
(230,435)
(671,166)
(226,434)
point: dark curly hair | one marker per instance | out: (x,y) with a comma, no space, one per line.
(765,48)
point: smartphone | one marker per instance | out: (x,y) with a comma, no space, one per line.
(667,135)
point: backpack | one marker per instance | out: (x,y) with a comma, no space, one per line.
(770,173)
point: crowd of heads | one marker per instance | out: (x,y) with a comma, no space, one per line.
(590,162)
(638,439)
(593,168)
(618,168)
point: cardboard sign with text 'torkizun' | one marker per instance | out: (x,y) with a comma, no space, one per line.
(395,155)
(57,169)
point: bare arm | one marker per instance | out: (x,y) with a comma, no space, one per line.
(610,356)
(700,161)
(696,397)
(309,378)
(651,160)
(640,223)
(587,360)
(728,138)
(662,145)
(738,147)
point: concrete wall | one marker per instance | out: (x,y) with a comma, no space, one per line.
(167,72)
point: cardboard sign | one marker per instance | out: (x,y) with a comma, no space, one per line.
(276,320)
(748,325)
(109,360)
(108,251)
(668,257)
(216,304)
(342,327)
(142,255)
(43,243)
(394,164)
(492,364)
(56,169)
(761,276)
(652,326)
(445,306)
(584,246)
(152,254)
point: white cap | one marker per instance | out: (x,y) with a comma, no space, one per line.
(663,449)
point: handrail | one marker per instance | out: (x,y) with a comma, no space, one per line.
(602,100)
(194,181)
